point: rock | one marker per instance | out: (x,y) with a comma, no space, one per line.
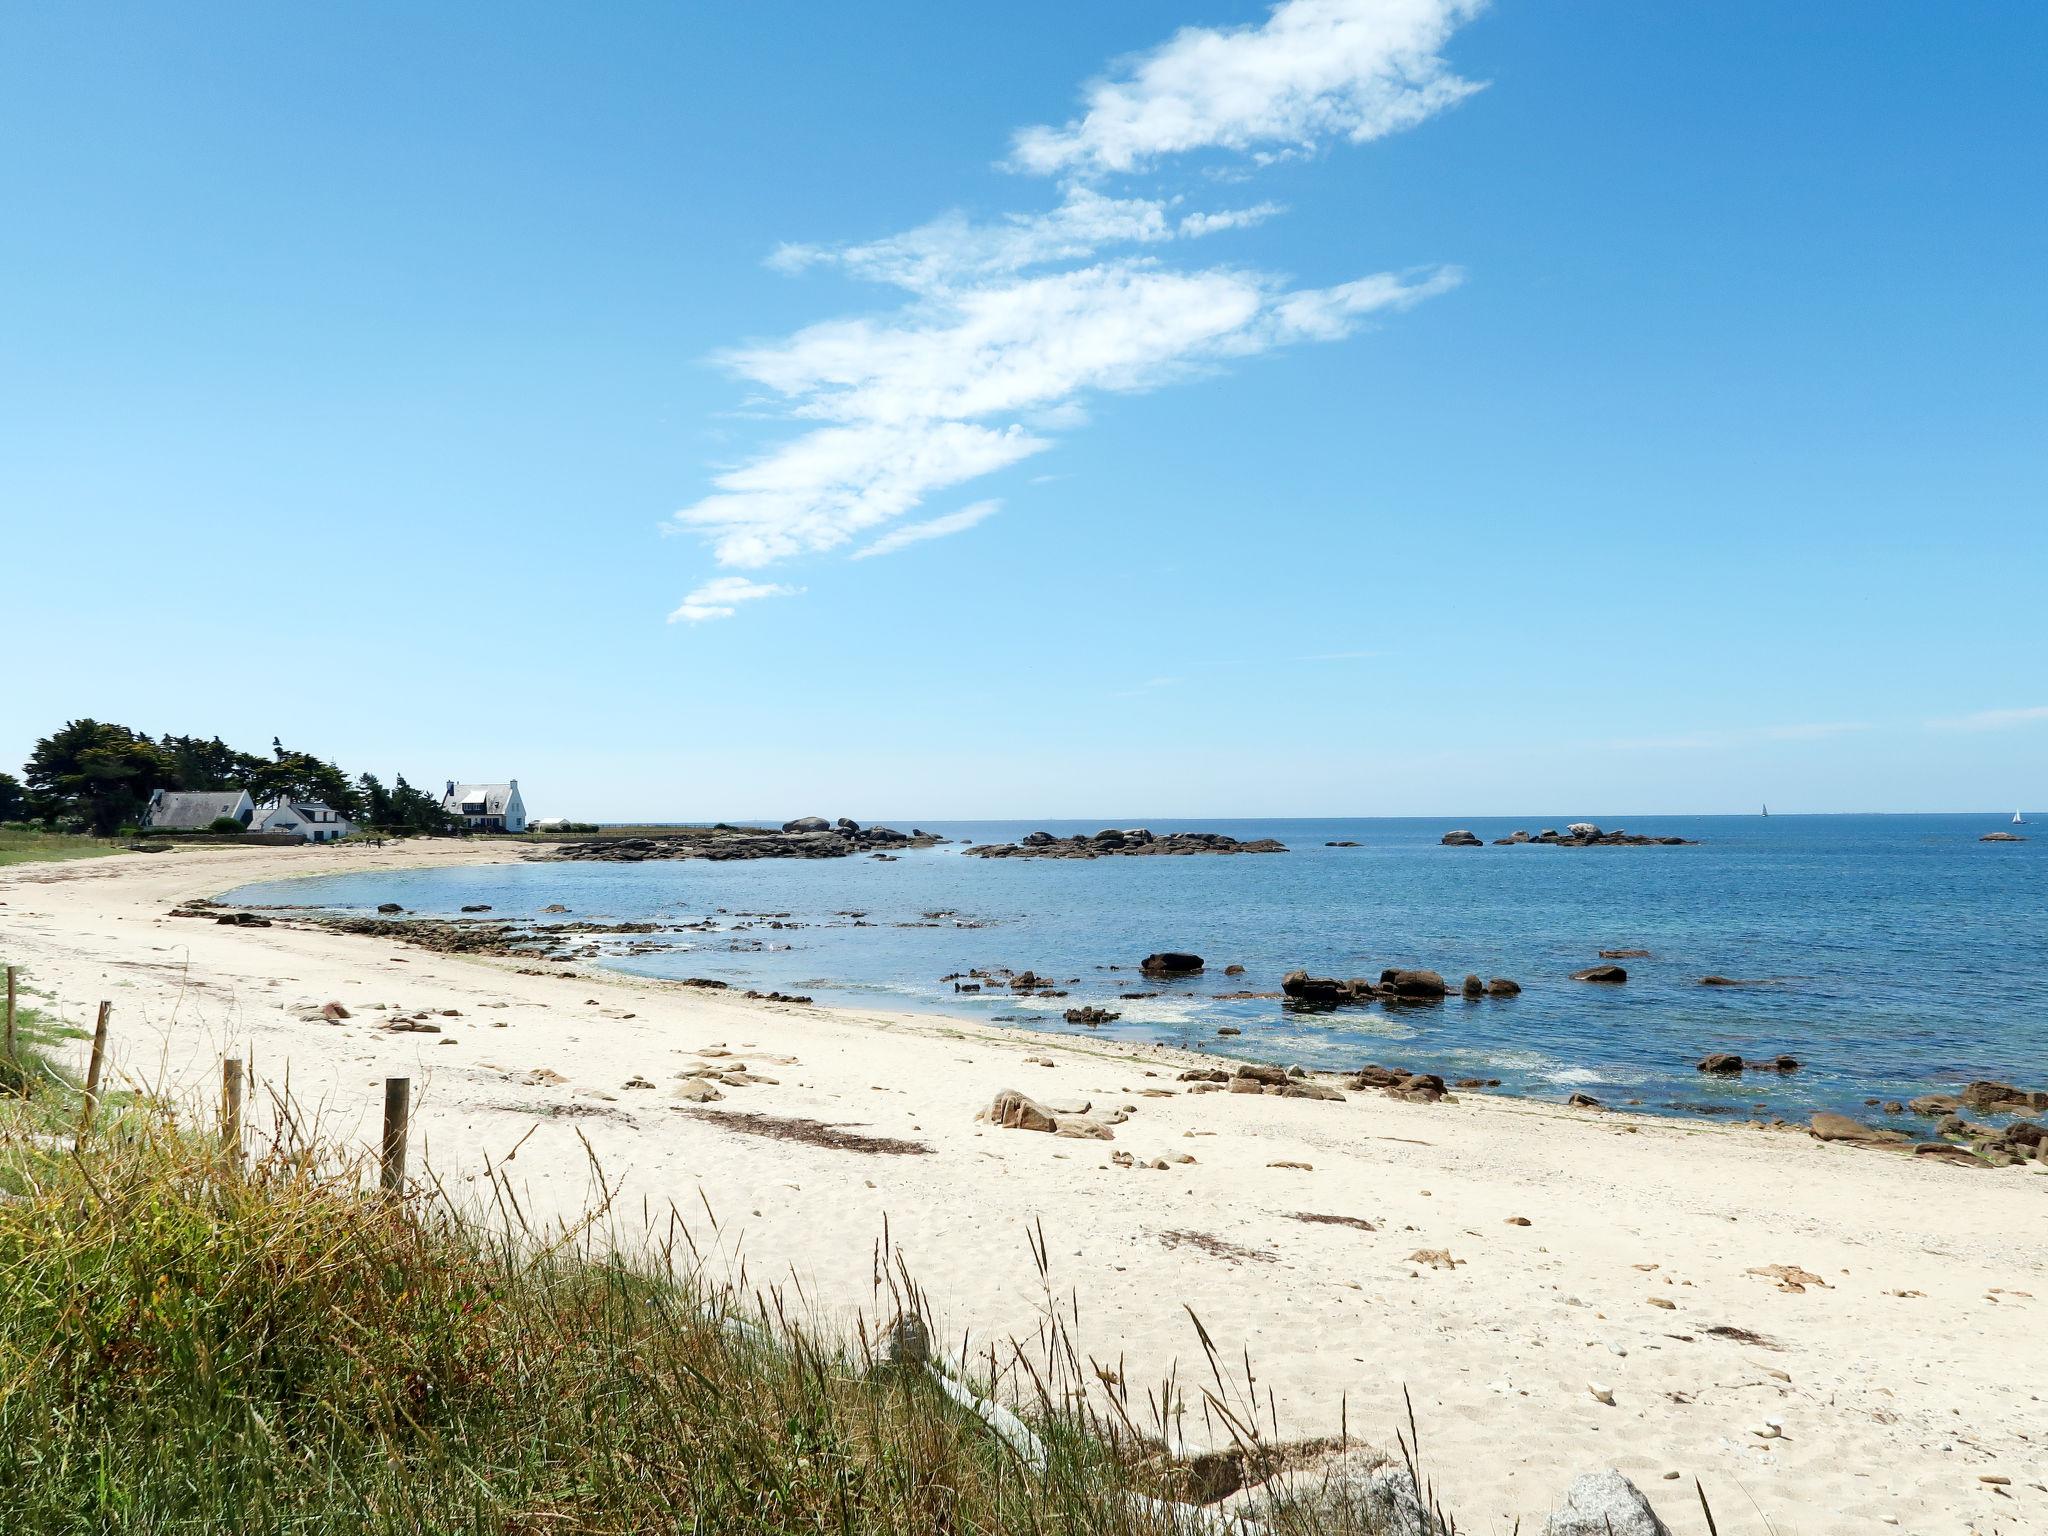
(2001,837)
(1233,970)
(1126,843)
(695,1090)
(1418,1088)
(1624,954)
(1584,1101)
(1474,987)
(1300,987)
(553,906)
(1501,986)
(1947,1149)
(1776,1064)
(1604,1504)
(1461,839)
(1608,975)
(389,906)
(1932,1106)
(1720,1063)
(1826,1125)
(1014,1111)
(1259,1072)
(1352,1491)
(1413,985)
(1995,1098)
(1170,963)
(1079,1127)
(477,906)
(1091,1016)
(807,824)
(907,1344)
(333,1013)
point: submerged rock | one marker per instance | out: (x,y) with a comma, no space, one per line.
(1170,962)
(1607,975)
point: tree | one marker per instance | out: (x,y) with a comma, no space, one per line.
(101,773)
(302,776)
(13,802)
(202,763)
(375,800)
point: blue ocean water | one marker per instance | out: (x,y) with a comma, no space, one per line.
(1903,954)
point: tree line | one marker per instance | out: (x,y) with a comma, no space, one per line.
(94,776)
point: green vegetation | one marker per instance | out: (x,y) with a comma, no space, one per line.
(93,776)
(34,845)
(195,1342)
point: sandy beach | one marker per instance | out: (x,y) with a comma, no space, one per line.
(1584,1249)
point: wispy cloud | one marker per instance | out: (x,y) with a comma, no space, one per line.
(1314,70)
(1992,719)
(937,528)
(1013,323)
(719,599)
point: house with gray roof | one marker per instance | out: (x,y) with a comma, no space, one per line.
(486,807)
(194,810)
(310,821)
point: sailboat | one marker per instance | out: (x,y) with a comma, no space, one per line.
(1767,810)
(2018,820)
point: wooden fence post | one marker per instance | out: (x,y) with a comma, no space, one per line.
(231,1107)
(92,1071)
(397,1115)
(10,1014)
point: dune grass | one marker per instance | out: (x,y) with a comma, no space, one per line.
(193,1340)
(34,846)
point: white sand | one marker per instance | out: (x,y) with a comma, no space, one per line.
(1916,1371)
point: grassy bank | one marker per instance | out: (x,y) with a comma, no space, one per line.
(197,1341)
(32,846)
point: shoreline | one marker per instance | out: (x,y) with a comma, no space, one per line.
(1927,1305)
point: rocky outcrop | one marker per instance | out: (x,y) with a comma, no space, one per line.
(1128,842)
(1585,834)
(1826,1125)
(1995,1098)
(808,837)
(1399,1083)
(1606,975)
(1091,1016)
(1462,839)
(1728,1064)
(2001,837)
(1014,1111)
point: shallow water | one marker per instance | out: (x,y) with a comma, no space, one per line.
(1904,955)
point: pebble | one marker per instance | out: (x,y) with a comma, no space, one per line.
(1601,1394)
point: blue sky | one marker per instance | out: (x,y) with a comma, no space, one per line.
(1359,407)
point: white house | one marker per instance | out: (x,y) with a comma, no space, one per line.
(311,821)
(486,807)
(194,810)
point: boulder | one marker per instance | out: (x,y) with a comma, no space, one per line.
(1604,1504)
(1995,1098)
(389,906)
(2001,837)
(1473,987)
(1418,1088)
(1584,1101)
(1014,1111)
(1624,954)
(1353,1491)
(1608,975)
(1170,963)
(1720,1063)
(1091,1016)
(1501,986)
(1932,1106)
(1304,988)
(1259,1072)
(1413,985)
(1826,1125)
(1461,838)
(807,824)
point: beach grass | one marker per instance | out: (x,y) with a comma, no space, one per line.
(34,846)
(199,1340)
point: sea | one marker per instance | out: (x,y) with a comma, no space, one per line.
(1891,955)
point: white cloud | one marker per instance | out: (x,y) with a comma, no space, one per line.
(1015,322)
(937,528)
(953,249)
(907,397)
(1992,719)
(718,599)
(1315,69)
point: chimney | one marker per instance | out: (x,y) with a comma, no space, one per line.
(451,791)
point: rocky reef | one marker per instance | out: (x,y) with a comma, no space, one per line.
(1580,834)
(808,837)
(1124,842)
